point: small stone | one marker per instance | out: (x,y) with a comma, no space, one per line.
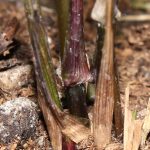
(15,77)
(18,118)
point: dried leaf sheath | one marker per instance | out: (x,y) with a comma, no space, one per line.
(75,67)
(42,62)
(52,126)
(47,92)
(41,53)
(103,108)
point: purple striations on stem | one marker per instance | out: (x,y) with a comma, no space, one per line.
(75,66)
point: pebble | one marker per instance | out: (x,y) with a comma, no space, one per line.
(18,119)
(15,77)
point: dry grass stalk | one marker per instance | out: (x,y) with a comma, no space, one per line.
(137,134)
(101,17)
(134,18)
(104,104)
(146,125)
(132,127)
(126,119)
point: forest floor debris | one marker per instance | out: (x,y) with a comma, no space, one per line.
(132,49)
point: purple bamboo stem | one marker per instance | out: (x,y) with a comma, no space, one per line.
(75,66)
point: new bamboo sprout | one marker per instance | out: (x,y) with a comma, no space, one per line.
(104,104)
(75,69)
(75,66)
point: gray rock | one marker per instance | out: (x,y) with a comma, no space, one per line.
(18,119)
